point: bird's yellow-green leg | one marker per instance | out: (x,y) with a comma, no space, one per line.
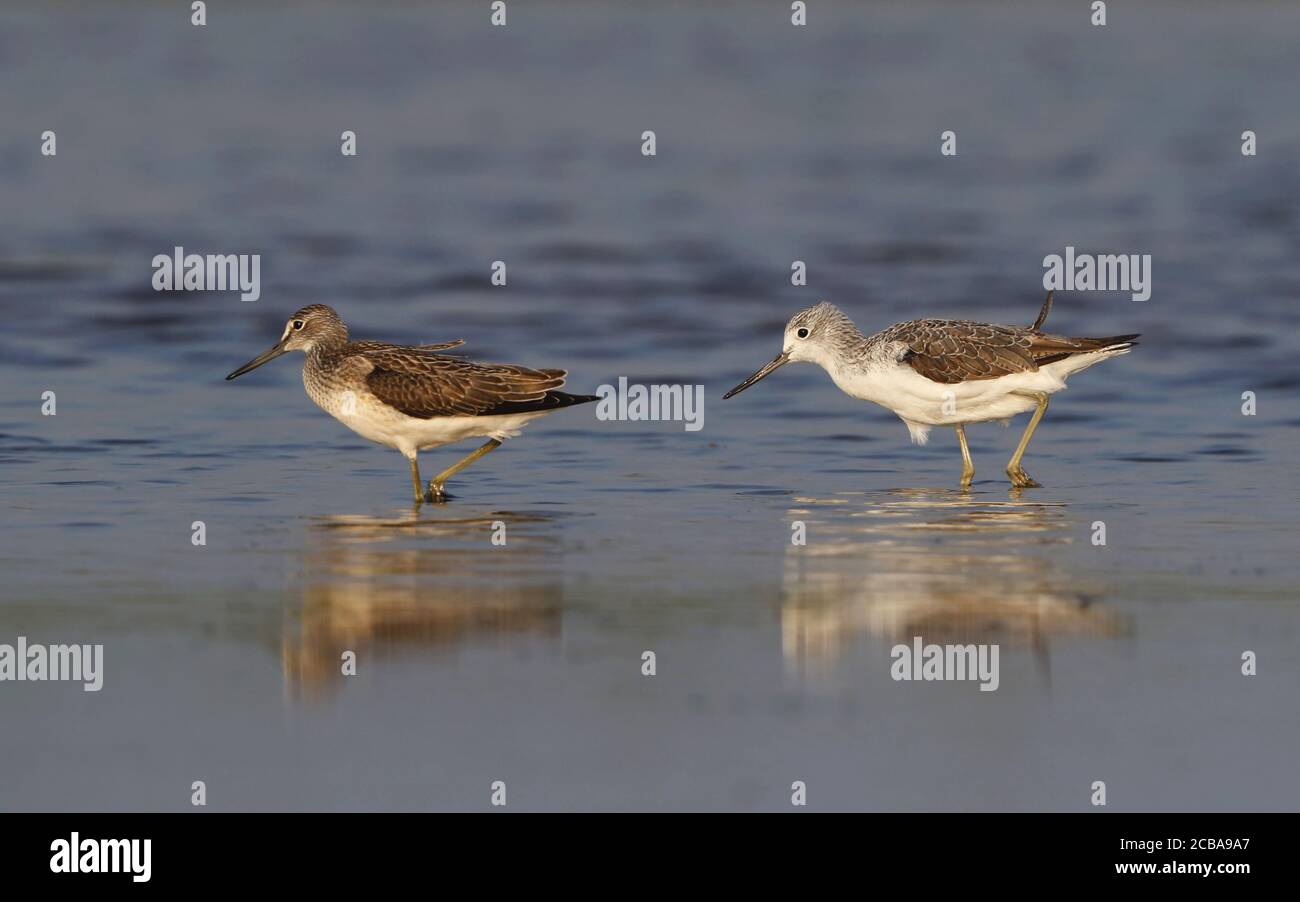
(415,481)
(436,483)
(967,468)
(1019,478)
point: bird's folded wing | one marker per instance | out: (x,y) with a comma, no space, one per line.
(371,347)
(431,385)
(1048,348)
(948,351)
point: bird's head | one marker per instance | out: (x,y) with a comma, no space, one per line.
(312,326)
(812,335)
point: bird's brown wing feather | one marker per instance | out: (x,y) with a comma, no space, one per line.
(432,385)
(950,351)
(367,347)
(1048,348)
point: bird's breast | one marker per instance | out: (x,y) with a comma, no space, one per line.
(330,397)
(872,383)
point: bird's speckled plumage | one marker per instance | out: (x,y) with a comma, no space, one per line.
(412,397)
(940,372)
(949,351)
(419,382)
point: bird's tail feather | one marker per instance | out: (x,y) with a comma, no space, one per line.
(552,400)
(1042,314)
(1114,341)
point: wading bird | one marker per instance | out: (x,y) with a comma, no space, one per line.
(411,397)
(938,372)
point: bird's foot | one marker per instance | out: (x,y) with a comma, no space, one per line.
(966,477)
(436,494)
(1022,480)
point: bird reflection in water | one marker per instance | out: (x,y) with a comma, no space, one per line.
(944,565)
(406,585)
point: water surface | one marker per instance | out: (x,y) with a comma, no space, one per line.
(522,662)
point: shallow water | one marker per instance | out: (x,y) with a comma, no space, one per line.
(522,662)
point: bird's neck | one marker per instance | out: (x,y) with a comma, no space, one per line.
(326,346)
(856,364)
(845,346)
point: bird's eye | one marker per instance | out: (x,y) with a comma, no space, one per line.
(297,324)
(802,333)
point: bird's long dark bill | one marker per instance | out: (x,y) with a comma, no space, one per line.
(777,362)
(276,350)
